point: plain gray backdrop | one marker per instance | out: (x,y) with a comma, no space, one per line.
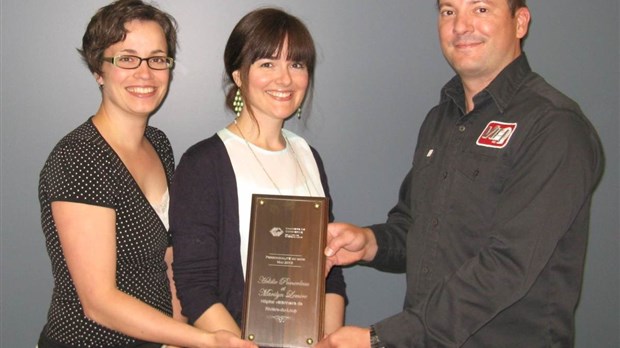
(379,71)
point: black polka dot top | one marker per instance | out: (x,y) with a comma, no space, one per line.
(83,168)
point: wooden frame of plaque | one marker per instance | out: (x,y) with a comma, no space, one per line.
(284,300)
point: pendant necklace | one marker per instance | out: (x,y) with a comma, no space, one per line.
(288,145)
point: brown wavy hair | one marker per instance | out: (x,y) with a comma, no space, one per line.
(107,27)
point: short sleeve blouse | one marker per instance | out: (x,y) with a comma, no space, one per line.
(83,168)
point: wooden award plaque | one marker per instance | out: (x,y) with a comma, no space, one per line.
(285,276)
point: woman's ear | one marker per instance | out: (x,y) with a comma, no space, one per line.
(237,78)
(98,78)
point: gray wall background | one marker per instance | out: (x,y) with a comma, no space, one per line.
(379,71)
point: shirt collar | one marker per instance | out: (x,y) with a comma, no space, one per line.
(501,89)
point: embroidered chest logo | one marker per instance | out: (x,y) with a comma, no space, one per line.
(496,134)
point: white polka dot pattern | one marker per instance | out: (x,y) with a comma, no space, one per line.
(84,168)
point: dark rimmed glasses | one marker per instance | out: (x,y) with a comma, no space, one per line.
(125,61)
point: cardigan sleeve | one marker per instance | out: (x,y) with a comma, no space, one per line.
(199,222)
(335,280)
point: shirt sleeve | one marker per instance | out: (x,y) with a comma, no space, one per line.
(193,224)
(334,283)
(80,172)
(553,176)
(392,236)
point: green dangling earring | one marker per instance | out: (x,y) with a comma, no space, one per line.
(238,103)
(299,113)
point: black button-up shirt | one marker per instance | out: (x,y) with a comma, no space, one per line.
(492,220)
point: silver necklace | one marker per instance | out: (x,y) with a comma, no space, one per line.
(288,144)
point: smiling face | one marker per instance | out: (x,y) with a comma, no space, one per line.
(135,91)
(479,38)
(275,87)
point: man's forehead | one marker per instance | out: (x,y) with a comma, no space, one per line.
(469,2)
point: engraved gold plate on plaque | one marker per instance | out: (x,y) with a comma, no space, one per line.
(285,276)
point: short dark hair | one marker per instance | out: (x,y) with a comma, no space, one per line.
(107,27)
(261,34)
(514,5)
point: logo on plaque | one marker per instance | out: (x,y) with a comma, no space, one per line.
(276,231)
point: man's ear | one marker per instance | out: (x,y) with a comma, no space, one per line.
(523,21)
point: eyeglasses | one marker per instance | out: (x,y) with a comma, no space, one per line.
(133,62)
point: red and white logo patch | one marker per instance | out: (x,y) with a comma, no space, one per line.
(496,134)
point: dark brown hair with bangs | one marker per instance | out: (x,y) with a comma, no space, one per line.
(107,27)
(262,34)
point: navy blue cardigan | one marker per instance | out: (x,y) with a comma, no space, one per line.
(204,222)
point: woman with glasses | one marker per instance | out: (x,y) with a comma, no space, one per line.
(104,198)
(269,60)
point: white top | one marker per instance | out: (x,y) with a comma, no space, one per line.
(283,168)
(162,209)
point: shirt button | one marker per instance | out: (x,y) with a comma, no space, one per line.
(461,128)
(424,270)
(444,175)
(435,222)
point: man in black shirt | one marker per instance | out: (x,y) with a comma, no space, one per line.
(492,220)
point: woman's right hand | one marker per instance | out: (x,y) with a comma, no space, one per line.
(223,338)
